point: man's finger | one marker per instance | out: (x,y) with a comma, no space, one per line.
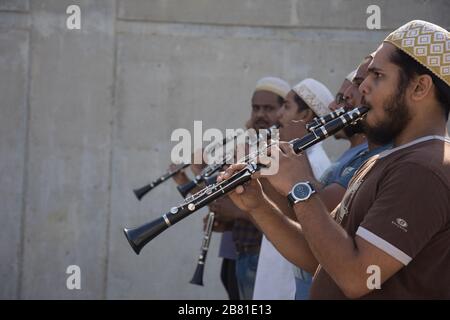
(287,148)
(265,160)
(233,169)
(239,189)
(257,175)
(220,176)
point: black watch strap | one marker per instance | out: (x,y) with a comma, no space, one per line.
(291,199)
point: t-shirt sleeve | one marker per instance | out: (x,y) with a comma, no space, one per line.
(410,208)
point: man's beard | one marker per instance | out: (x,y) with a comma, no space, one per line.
(396,118)
(353,129)
(261,124)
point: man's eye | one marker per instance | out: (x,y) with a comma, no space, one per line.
(339,99)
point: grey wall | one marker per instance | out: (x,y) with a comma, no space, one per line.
(86,116)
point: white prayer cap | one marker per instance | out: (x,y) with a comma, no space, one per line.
(315,95)
(273,84)
(351,75)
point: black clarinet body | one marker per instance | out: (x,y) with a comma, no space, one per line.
(319,121)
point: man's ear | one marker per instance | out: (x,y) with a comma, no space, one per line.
(423,85)
(249,124)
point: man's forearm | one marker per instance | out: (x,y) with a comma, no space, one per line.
(278,199)
(286,235)
(332,246)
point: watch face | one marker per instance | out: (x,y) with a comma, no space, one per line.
(302,191)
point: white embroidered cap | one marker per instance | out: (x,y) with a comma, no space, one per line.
(315,94)
(351,75)
(273,84)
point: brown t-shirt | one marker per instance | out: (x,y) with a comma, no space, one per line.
(399,201)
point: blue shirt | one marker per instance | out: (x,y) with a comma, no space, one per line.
(354,164)
(335,170)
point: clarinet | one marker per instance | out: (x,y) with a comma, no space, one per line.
(184,189)
(198,274)
(141,192)
(140,236)
(319,121)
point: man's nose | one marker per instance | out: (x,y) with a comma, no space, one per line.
(364,87)
(261,113)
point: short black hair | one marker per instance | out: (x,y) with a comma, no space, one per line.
(301,104)
(410,68)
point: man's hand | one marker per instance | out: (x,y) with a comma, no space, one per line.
(224,209)
(219,225)
(196,168)
(225,212)
(248,197)
(292,168)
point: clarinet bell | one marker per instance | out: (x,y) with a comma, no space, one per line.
(140,236)
(197,278)
(139,193)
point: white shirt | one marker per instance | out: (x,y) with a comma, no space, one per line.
(275,276)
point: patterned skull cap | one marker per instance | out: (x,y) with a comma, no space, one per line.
(427,43)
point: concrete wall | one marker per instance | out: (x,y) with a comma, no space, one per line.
(86,116)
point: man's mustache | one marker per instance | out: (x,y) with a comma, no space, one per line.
(261,121)
(364,102)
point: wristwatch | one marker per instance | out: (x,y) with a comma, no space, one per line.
(301,191)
